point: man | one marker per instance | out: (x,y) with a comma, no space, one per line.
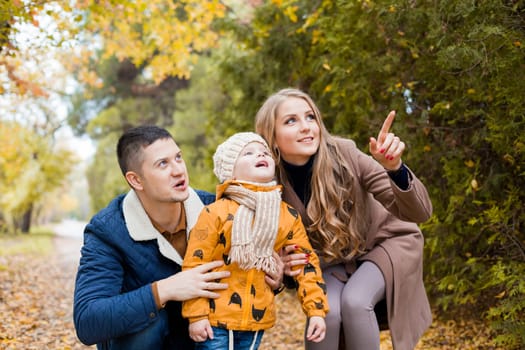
(129,285)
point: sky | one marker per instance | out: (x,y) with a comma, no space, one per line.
(82,146)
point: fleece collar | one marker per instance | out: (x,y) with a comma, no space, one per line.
(140,227)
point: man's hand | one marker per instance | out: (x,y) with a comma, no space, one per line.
(275,280)
(201,330)
(193,283)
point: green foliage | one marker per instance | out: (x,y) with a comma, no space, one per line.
(124,99)
(507,314)
(194,115)
(104,177)
(256,60)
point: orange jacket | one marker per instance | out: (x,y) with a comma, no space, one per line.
(248,303)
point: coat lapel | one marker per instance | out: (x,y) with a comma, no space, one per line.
(140,227)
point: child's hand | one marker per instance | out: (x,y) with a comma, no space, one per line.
(201,330)
(316,329)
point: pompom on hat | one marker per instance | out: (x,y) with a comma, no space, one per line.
(227,153)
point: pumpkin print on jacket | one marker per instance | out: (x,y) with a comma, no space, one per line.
(248,303)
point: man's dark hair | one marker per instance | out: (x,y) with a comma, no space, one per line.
(132,142)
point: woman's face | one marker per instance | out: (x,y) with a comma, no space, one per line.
(296,131)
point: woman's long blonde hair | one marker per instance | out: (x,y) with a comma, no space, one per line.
(334,230)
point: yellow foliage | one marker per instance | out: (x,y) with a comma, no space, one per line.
(509,159)
(90,78)
(29,167)
(316,35)
(68,202)
(291,13)
(165,36)
(15,143)
(500,295)
(469,163)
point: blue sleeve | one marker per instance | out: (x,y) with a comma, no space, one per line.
(101,311)
(206,197)
(401,177)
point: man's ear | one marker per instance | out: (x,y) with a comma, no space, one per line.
(134,180)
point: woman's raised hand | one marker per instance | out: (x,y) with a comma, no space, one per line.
(388,148)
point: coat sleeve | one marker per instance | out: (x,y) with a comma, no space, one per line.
(412,204)
(100,310)
(201,244)
(311,287)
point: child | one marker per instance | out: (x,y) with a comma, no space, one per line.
(246,224)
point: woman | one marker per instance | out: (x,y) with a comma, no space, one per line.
(361,215)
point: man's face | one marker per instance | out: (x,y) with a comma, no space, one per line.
(164,176)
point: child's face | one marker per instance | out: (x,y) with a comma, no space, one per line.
(254,163)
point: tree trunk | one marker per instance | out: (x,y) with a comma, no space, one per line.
(26,220)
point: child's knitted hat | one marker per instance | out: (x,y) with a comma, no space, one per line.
(228,152)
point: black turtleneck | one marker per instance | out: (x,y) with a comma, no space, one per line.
(300,177)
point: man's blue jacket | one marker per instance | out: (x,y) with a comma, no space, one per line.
(122,255)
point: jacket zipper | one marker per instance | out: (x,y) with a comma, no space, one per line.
(248,297)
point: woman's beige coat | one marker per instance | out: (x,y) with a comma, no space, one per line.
(393,240)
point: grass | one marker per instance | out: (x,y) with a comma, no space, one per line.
(37,242)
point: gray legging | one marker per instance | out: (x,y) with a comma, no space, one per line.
(352,305)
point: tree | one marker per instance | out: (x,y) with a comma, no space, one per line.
(135,50)
(32,85)
(165,36)
(30,167)
(140,54)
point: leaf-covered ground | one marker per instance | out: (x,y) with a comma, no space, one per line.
(36,296)
(442,335)
(36,310)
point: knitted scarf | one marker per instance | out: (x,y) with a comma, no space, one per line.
(255,227)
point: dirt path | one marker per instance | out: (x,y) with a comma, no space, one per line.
(66,263)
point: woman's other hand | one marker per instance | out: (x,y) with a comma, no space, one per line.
(292,259)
